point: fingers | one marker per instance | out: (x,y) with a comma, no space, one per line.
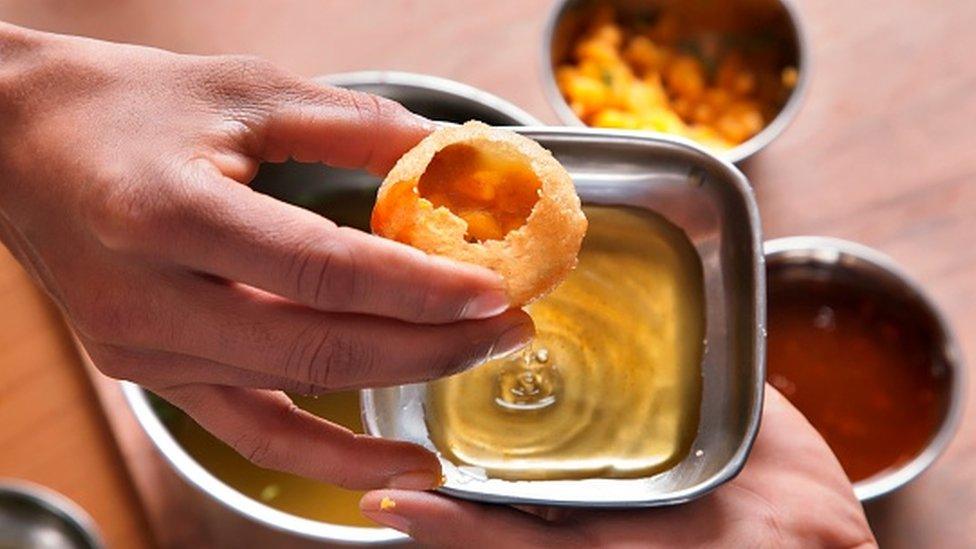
(201,331)
(269,430)
(350,351)
(439,521)
(214,225)
(159,370)
(252,330)
(313,122)
(285,116)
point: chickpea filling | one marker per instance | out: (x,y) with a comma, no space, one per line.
(494,193)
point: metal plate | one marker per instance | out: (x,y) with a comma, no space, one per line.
(712,202)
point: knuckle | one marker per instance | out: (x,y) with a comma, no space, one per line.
(251,68)
(242,79)
(370,107)
(351,359)
(343,476)
(323,358)
(367,104)
(126,216)
(259,446)
(257,449)
(357,284)
(327,274)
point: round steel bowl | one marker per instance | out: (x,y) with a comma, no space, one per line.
(832,257)
(436,98)
(553,41)
(34,516)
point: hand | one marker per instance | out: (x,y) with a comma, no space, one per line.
(123,193)
(791,493)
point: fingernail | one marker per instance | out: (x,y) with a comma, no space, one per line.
(386,515)
(486,305)
(415,480)
(513,339)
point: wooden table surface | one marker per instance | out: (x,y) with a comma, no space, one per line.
(883,152)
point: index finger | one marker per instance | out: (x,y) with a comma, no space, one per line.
(217,226)
(316,122)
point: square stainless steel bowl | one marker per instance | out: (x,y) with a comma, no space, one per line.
(712,203)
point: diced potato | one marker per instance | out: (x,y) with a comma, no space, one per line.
(703,113)
(683,106)
(789,77)
(728,71)
(744,83)
(614,118)
(642,96)
(707,136)
(644,55)
(662,120)
(565,74)
(752,120)
(647,78)
(596,50)
(590,68)
(589,95)
(609,33)
(482,226)
(685,76)
(482,186)
(730,128)
(717,98)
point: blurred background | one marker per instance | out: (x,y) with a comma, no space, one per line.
(881,152)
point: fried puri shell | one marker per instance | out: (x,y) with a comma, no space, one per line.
(535,255)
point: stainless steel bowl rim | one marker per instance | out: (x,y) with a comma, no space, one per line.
(888,481)
(56,504)
(736,154)
(423,81)
(196,475)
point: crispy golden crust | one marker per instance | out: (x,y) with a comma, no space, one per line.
(532,259)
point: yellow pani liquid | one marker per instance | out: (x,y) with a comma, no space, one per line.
(286,492)
(611,386)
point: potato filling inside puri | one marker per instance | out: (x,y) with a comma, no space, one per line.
(493,192)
